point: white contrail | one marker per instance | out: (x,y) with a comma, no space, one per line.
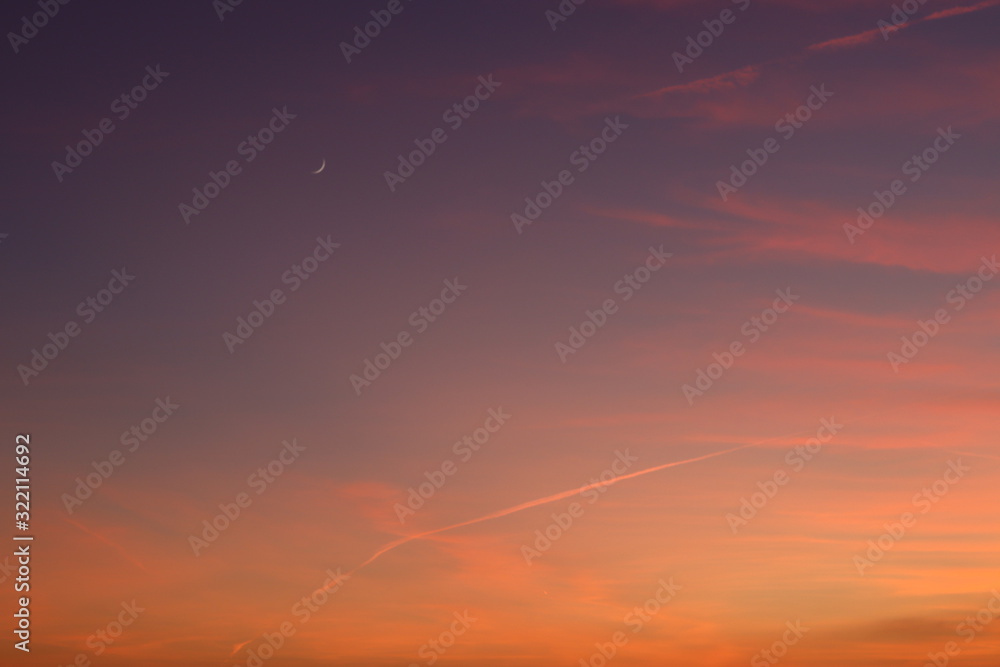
(535,503)
(564,494)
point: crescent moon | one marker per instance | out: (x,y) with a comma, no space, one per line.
(321,167)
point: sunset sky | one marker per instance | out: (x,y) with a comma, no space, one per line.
(625,333)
